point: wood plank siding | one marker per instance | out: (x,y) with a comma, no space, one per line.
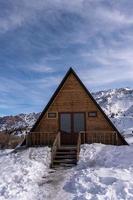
(72,96)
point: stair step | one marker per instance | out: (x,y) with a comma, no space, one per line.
(69,165)
(66,152)
(72,161)
(68,156)
(68,147)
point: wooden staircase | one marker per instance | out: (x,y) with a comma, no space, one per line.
(64,155)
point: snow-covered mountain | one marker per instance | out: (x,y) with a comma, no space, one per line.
(21,121)
(117,104)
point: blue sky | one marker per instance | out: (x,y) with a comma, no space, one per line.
(40,40)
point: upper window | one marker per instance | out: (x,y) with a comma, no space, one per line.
(52,114)
(92,114)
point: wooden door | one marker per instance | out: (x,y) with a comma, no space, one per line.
(79,124)
(70,124)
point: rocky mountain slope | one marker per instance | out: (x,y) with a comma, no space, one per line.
(117,104)
(21,121)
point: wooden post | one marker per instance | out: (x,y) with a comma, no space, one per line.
(39,140)
(48,139)
(116,138)
(30,141)
(27,139)
(59,141)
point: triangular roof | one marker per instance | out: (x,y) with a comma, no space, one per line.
(71,71)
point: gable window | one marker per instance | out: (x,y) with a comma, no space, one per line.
(52,114)
(92,114)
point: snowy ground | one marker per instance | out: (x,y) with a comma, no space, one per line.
(21,173)
(104,172)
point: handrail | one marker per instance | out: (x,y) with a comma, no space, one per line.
(102,136)
(78,145)
(100,131)
(56,145)
(40,138)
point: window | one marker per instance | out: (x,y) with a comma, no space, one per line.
(92,114)
(52,115)
(65,122)
(79,122)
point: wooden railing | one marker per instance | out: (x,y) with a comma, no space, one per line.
(55,146)
(78,145)
(40,138)
(82,135)
(99,136)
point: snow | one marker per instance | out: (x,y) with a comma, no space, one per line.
(104,172)
(123,123)
(118,105)
(20,173)
(116,101)
(125,126)
(21,121)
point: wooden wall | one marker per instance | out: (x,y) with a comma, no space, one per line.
(73,98)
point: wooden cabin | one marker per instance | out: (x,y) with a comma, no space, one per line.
(71,111)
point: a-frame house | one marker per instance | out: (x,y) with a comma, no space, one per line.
(72,110)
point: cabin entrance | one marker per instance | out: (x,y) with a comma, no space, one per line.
(70,124)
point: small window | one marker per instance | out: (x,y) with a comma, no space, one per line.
(92,114)
(52,115)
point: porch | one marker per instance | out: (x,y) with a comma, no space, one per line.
(64,154)
(91,136)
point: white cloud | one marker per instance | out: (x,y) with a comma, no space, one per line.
(103,76)
(42,69)
(111,65)
(43,83)
(96,15)
(8,85)
(115,17)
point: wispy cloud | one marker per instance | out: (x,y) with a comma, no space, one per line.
(40,40)
(42,68)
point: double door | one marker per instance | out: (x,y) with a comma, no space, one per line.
(70,124)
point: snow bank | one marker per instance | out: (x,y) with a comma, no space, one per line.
(103,173)
(21,173)
(99,155)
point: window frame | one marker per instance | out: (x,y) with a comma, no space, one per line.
(52,117)
(90,112)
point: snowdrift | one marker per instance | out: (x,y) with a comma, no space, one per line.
(103,173)
(21,173)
